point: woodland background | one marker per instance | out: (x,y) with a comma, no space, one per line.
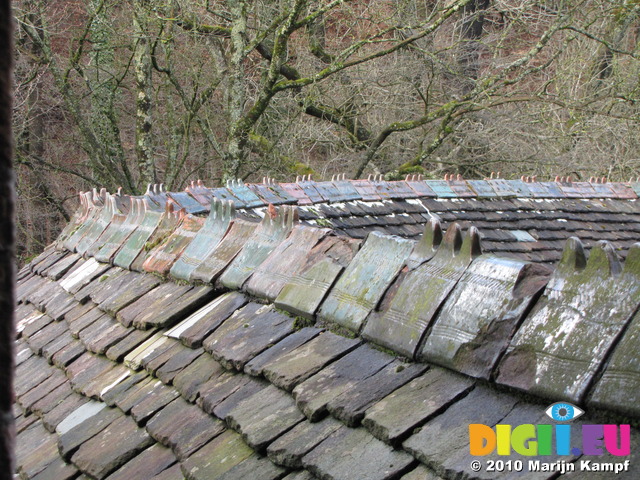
(125,93)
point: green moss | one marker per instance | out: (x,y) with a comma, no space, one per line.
(323,222)
(301,322)
(103,278)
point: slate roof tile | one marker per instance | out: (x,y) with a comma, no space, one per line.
(217,457)
(246,334)
(294,367)
(397,414)
(264,416)
(191,378)
(347,450)
(53,417)
(193,329)
(183,427)
(154,460)
(313,395)
(111,448)
(289,449)
(84,423)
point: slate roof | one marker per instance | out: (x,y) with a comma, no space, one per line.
(333,330)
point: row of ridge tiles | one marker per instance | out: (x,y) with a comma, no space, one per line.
(311,192)
(447,304)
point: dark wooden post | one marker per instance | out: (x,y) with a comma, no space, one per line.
(7,235)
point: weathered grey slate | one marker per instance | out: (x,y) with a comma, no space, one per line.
(137,392)
(348,450)
(451,428)
(127,290)
(77,279)
(271,275)
(274,228)
(136,242)
(481,314)
(58,469)
(257,364)
(400,412)
(210,269)
(247,333)
(86,368)
(162,258)
(54,416)
(60,268)
(77,324)
(105,249)
(111,448)
(289,449)
(122,387)
(153,460)
(264,416)
(304,292)
(351,405)
(313,395)
(102,380)
(164,305)
(51,399)
(193,329)
(255,466)
(102,287)
(177,363)
(123,347)
(167,311)
(157,397)
(102,334)
(55,380)
(47,335)
(403,324)
(183,427)
(217,457)
(147,304)
(296,366)
(57,344)
(155,359)
(59,304)
(30,373)
(205,240)
(171,473)
(360,287)
(90,419)
(572,328)
(68,354)
(189,380)
(220,396)
(34,462)
(421,473)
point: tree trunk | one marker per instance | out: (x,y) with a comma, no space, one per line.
(237,95)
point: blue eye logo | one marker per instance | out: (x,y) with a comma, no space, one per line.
(563,412)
